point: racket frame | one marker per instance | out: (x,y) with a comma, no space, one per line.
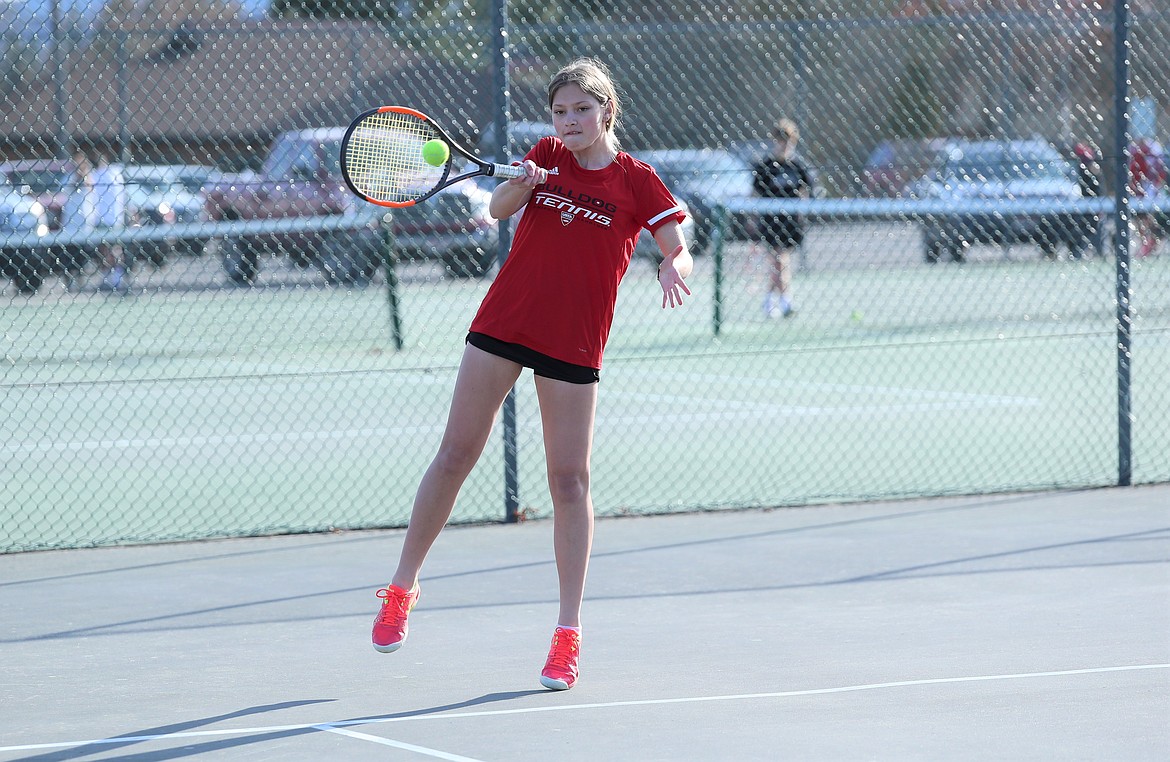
(481,168)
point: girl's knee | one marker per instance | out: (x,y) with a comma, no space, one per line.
(456,459)
(568,486)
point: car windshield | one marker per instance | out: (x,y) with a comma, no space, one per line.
(194,183)
(36,180)
(293,156)
(153,185)
(1005,167)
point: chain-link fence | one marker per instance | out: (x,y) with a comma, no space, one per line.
(204,334)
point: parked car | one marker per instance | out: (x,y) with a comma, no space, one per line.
(999,171)
(453,226)
(301,177)
(522,135)
(701,177)
(894,164)
(26,265)
(43,180)
(165,194)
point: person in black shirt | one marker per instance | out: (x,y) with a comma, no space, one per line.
(782,175)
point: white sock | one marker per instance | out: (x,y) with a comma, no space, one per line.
(567,627)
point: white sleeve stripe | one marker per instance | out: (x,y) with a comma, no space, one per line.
(656,218)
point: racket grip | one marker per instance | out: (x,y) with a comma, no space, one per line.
(507,171)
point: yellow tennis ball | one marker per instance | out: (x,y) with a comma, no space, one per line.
(435,152)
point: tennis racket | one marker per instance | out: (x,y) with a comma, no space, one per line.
(382,158)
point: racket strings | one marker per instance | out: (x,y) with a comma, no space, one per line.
(384,157)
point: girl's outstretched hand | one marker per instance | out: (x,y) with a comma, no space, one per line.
(673,285)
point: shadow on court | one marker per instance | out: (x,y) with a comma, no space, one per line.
(1014,626)
(125,740)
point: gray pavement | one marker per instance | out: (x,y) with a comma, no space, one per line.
(1031,626)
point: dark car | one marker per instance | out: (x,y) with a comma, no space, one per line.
(981,179)
(165,194)
(894,164)
(453,226)
(44,180)
(22,221)
(701,178)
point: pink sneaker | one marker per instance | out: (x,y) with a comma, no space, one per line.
(390,624)
(560,671)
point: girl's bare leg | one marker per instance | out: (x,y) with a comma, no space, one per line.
(781,269)
(567,412)
(480,388)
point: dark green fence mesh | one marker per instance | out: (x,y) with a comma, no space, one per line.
(242,347)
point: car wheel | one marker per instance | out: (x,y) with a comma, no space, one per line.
(27,268)
(241,264)
(25,274)
(346,269)
(931,246)
(158,253)
(470,262)
(346,262)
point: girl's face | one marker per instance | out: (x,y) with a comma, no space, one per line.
(784,146)
(579,118)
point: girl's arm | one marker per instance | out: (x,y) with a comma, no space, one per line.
(676,263)
(509,197)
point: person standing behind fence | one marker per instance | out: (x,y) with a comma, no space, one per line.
(110,188)
(550,308)
(1147,176)
(782,174)
(1088,226)
(78,215)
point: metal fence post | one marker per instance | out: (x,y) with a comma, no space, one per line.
(1121,241)
(390,261)
(502,97)
(717,235)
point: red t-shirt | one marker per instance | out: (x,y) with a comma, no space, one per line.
(1147,167)
(557,290)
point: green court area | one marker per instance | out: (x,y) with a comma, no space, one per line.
(204,412)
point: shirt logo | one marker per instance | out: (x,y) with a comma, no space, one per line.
(570,210)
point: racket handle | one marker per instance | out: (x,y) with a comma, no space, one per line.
(507,171)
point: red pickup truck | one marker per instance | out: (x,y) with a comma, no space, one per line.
(340,234)
(300,178)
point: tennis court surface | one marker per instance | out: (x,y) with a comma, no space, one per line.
(1032,626)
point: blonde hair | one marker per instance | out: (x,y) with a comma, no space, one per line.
(593,77)
(786,129)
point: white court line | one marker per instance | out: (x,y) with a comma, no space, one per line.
(787,385)
(919,401)
(396,744)
(219,440)
(269,729)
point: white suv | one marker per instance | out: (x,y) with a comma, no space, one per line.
(973,173)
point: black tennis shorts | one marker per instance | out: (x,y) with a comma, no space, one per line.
(541,364)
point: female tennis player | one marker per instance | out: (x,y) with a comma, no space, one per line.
(549,309)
